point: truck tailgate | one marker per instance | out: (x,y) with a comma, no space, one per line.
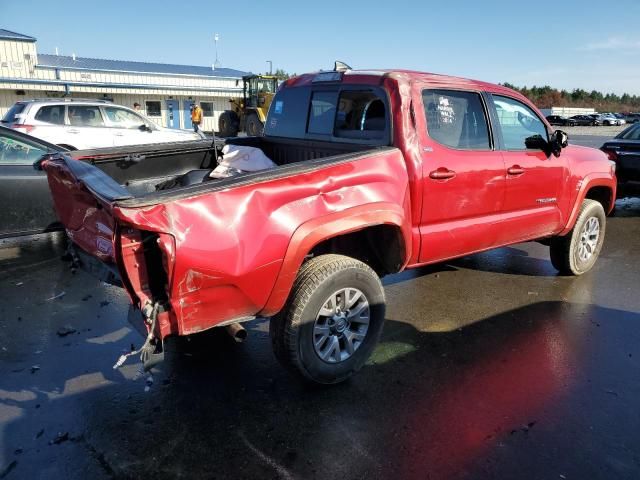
(85,211)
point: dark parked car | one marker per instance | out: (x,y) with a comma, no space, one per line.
(559,120)
(585,120)
(25,199)
(624,149)
(24,192)
(597,119)
(629,117)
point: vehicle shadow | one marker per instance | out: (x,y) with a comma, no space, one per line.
(628,207)
(510,261)
(427,405)
(31,251)
(505,260)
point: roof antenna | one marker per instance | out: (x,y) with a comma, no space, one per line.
(341,66)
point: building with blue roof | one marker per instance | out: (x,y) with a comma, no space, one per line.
(164,92)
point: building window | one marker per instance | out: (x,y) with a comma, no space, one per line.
(153,109)
(207,109)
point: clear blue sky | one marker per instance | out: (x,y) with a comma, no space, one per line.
(565,43)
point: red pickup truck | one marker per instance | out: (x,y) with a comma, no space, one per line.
(376,171)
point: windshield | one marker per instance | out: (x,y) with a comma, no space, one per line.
(10,116)
(632,133)
(265,86)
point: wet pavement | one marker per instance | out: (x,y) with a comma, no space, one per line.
(491,366)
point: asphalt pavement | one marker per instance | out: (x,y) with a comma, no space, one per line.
(490,367)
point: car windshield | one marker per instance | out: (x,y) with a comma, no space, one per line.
(10,116)
(21,152)
(632,133)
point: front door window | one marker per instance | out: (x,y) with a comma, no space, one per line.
(517,122)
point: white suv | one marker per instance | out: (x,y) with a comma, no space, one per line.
(79,124)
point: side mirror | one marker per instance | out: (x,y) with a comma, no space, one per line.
(145,128)
(536,142)
(558,141)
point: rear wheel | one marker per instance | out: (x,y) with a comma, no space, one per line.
(332,320)
(254,125)
(577,252)
(228,124)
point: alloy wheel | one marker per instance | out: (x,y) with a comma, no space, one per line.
(341,325)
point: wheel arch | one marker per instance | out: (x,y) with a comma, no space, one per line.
(599,188)
(345,233)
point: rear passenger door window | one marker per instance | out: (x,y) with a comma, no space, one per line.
(517,123)
(85,116)
(456,119)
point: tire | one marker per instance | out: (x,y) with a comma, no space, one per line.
(304,340)
(254,126)
(577,252)
(228,124)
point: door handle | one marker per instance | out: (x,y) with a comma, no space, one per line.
(119,134)
(442,173)
(72,130)
(515,170)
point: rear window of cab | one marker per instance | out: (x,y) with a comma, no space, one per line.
(344,114)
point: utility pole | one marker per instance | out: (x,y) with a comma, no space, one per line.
(216,37)
(270,67)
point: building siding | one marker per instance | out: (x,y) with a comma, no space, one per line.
(21,78)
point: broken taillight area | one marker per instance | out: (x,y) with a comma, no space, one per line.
(147,260)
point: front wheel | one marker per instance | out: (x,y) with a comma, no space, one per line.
(228,124)
(254,126)
(332,320)
(577,252)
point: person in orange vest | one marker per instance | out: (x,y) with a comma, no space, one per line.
(196,117)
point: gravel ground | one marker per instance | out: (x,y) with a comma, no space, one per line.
(596,131)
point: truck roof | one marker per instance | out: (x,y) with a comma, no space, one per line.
(377,76)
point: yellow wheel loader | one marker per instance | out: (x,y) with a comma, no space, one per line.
(249,113)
